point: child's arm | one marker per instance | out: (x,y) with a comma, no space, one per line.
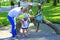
(31,16)
(22,22)
(38,14)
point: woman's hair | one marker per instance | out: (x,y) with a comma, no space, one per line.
(21,8)
(24,9)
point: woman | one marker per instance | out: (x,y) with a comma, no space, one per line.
(12,15)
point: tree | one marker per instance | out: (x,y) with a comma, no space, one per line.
(55,2)
(27,0)
(50,24)
(0,4)
(47,1)
(58,1)
(32,0)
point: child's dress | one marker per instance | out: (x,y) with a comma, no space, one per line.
(39,17)
(25,21)
(25,25)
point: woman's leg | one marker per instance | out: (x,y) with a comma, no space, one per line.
(13,26)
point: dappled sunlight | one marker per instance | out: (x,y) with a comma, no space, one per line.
(51,13)
(31,24)
(48,5)
(5,34)
(44,17)
(33,30)
(55,14)
(53,19)
(2,17)
(56,8)
(56,17)
(58,4)
(45,6)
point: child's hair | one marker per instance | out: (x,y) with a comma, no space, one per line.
(39,6)
(30,5)
(21,7)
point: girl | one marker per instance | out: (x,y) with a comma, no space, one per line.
(24,23)
(38,16)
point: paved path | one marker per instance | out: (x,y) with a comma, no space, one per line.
(23,4)
(45,33)
(6,8)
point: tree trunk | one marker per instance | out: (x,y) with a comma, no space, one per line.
(48,1)
(32,0)
(55,3)
(27,0)
(52,26)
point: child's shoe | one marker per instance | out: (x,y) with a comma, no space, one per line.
(26,35)
(23,35)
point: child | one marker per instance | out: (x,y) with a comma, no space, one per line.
(24,23)
(38,16)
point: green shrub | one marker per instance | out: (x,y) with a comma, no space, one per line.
(0,24)
(5,22)
(3,19)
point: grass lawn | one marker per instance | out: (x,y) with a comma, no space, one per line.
(7,3)
(3,19)
(51,13)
